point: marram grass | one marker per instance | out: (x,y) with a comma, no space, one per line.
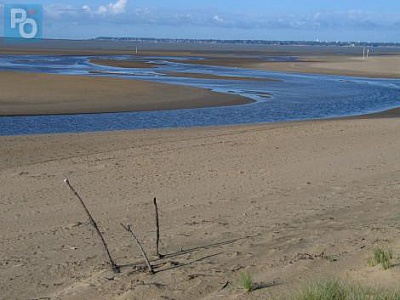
(247,282)
(336,290)
(381,257)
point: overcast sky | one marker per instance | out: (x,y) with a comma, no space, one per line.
(340,20)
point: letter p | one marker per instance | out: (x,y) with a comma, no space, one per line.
(18,16)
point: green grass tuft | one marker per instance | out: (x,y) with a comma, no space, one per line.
(382,257)
(247,282)
(336,290)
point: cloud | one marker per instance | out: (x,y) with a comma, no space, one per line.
(117,12)
(86,8)
(319,20)
(116,8)
(86,14)
(218,19)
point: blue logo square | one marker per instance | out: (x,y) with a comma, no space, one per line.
(23,22)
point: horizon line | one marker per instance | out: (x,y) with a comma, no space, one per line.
(232,41)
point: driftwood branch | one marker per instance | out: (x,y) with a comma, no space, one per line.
(129,229)
(157,230)
(114,266)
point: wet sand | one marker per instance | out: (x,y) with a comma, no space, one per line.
(36,94)
(373,67)
(390,113)
(384,62)
(209,76)
(123,64)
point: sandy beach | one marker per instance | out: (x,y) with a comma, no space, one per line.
(56,94)
(288,203)
(377,67)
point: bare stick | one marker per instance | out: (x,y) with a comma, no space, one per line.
(157,230)
(129,229)
(114,266)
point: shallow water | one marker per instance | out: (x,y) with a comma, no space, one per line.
(294,96)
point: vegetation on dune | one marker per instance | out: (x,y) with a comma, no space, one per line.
(336,290)
(247,282)
(381,257)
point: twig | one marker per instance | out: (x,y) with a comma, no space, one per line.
(157,230)
(225,285)
(129,229)
(114,266)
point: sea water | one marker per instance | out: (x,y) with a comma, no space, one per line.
(287,97)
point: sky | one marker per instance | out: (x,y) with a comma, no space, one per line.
(324,20)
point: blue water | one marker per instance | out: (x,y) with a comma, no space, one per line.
(295,96)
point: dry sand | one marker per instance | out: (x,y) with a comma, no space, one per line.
(33,94)
(288,203)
